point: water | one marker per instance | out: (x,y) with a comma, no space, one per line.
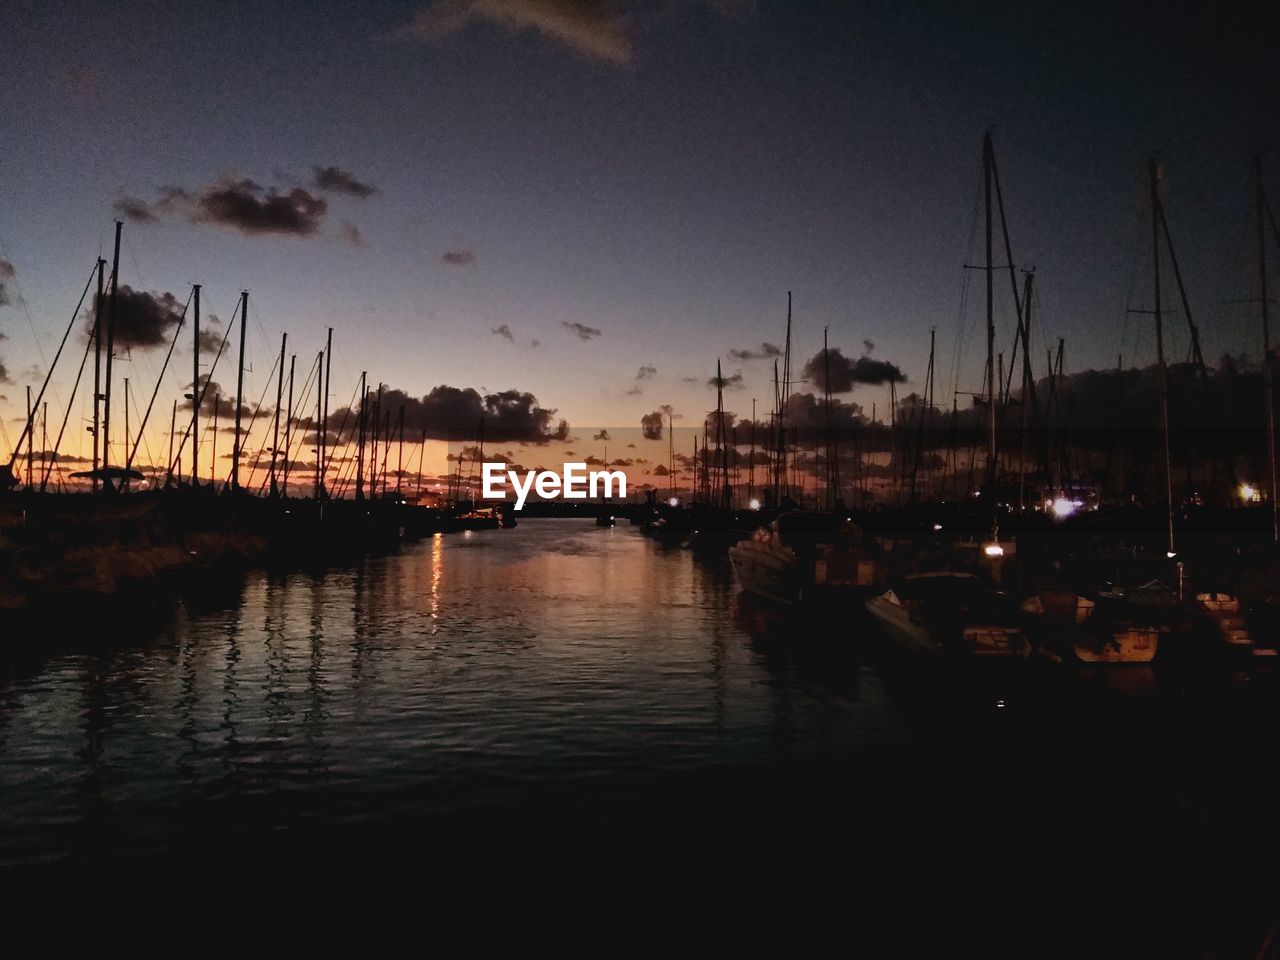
(563,674)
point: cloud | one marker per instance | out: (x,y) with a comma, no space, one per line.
(661,470)
(134,209)
(7,272)
(534,344)
(651,424)
(602,435)
(4,373)
(646,373)
(504,331)
(731,382)
(868,346)
(846,373)
(592,28)
(510,416)
(215,400)
(459,258)
(338,180)
(142,319)
(580,330)
(766,352)
(351,233)
(245,206)
(210,335)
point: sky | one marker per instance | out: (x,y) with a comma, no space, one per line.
(592,202)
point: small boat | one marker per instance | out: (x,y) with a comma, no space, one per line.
(802,556)
(1068,628)
(484,518)
(949,613)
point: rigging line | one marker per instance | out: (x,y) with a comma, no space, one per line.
(198,401)
(299,440)
(57,444)
(27,428)
(338,435)
(253,418)
(146,446)
(147,416)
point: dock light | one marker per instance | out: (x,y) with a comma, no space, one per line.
(673,502)
(754,504)
(937,527)
(1249,493)
(1062,507)
(1171,554)
(993,550)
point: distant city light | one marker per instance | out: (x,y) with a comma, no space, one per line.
(754,504)
(1249,493)
(1062,507)
(937,527)
(993,550)
(673,502)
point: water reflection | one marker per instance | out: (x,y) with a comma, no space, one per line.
(545,667)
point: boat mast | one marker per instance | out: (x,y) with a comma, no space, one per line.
(111,340)
(324,417)
(319,423)
(97,373)
(173,425)
(751,456)
(30,446)
(364,403)
(235,449)
(213,452)
(1267,372)
(726,492)
(1027,281)
(288,425)
(1153,176)
(195,391)
(400,453)
(987,163)
(124,480)
(275,431)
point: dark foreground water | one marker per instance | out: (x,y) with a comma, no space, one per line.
(563,686)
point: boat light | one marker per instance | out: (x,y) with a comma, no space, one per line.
(1171,554)
(1249,493)
(1062,507)
(937,527)
(993,550)
(754,504)
(673,502)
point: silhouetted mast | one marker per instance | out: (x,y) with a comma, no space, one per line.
(97,376)
(111,340)
(235,449)
(195,391)
(319,425)
(288,425)
(1267,372)
(364,417)
(1153,174)
(275,439)
(324,417)
(988,161)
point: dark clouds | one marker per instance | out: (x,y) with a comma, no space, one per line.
(580,330)
(504,331)
(7,272)
(459,257)
(210,335)
(646,373)
(338,180)
(593,28)
(846,373)
(142,319)
(732,382)
(652,424)
(510,416)
(602,435)
(134,210)
(215,400)
(766,351)
(246,206)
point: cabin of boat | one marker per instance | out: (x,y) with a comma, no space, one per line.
(949,613)
(801,554)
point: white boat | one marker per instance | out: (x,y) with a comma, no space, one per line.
(949,613)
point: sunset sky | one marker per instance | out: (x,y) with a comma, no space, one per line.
(591,202)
